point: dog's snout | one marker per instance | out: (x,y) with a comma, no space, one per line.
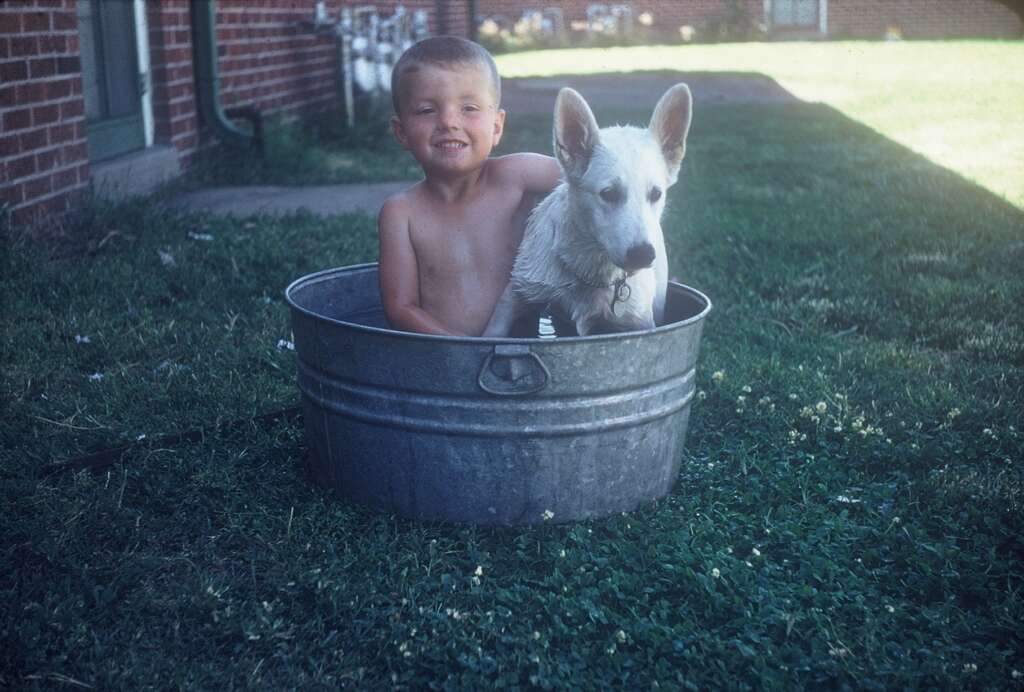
(640,256)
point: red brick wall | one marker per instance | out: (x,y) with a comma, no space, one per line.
(43,161)
(921,19)
(175,121)
(668,15)
(268,58)
(846,18)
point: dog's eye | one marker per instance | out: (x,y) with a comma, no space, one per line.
(654,195)
(611,194)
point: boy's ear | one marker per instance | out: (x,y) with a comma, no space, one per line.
(398,131)
(670,124)
(499,126)
(576,132)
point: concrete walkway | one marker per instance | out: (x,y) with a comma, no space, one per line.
(252,200)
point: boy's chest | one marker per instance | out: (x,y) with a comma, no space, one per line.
(479,237)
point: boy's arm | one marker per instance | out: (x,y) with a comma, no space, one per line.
(536,173)
(399,276)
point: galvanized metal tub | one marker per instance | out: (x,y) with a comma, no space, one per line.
(489,431)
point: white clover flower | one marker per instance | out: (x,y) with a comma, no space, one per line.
(1016,674)
(479,571)
(970,668)
(702,395)
(547,515)
(746,389)
(793,397)
(806,412)
(755,552)
(890,609)
(838,429)
(561,553)
(717,376)
(96,377)
(285,345)
(79,339)
(953,413)
(821,407)
(536,634)
(716,573)
(620,636)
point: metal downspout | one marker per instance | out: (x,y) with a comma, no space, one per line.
(204,35)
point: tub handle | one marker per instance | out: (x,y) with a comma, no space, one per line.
(513,370)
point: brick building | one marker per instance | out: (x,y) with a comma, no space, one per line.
(101,93)
(839,19)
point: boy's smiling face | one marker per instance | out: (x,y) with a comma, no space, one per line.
(449,119)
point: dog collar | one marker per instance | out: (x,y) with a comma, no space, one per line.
(621,293)
(620,289)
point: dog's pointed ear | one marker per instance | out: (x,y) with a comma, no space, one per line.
(670,124)
(575,132)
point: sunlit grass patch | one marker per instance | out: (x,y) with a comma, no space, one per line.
(952,101)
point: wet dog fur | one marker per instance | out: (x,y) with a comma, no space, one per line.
(593,249)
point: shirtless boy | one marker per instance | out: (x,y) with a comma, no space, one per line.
(447,244)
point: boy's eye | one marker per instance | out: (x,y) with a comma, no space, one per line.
(611,194)
(654,195)
(424,111)
(470,108)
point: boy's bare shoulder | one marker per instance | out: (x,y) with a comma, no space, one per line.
(400,204)
(516,165)
(535,173)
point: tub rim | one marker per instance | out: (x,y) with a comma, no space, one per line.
(441,338)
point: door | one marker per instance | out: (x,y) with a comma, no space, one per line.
(795,14)
(111,81)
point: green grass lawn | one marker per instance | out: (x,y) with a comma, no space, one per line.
(957,103)
(850,511)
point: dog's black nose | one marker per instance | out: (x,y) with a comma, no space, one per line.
(640,256)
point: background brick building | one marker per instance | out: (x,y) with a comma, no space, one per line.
(93,92)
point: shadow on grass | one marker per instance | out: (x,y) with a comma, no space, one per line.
(849,511)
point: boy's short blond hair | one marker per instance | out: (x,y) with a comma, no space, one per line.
(442,51)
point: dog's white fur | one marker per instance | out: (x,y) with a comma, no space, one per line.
(601,227)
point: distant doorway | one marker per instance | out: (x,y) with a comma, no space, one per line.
(112,83)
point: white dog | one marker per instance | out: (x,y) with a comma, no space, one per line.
(593,249)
